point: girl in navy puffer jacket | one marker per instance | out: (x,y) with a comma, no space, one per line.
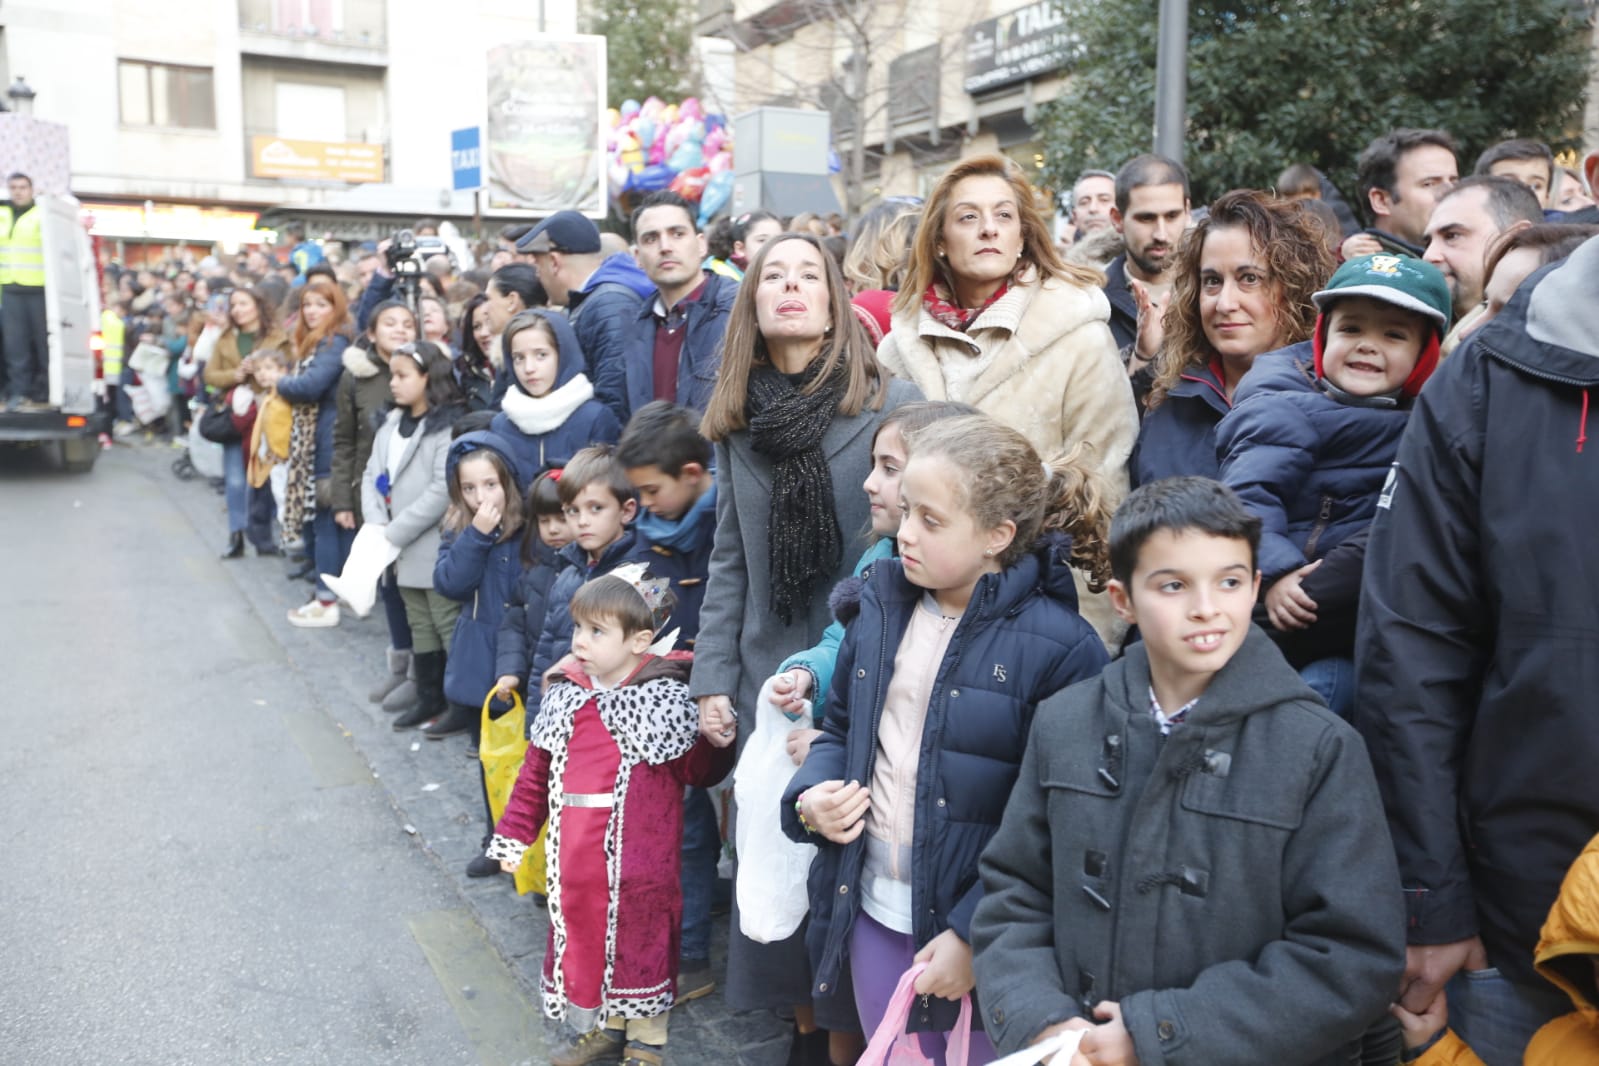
(953,646)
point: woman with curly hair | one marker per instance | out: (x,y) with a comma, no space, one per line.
(1244,277)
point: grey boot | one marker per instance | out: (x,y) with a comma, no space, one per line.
(399,670)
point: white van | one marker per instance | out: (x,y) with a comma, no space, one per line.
(72,321)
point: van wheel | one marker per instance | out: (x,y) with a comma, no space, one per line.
(78,454)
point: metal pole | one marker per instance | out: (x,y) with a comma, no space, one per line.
(1171,80)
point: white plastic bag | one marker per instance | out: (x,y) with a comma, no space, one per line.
(206,455)
(369,556)
(772,869)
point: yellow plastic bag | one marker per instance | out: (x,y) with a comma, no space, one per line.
(501,750)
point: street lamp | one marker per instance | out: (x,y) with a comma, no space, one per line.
(21,95)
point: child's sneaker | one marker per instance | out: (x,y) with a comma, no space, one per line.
(602,1045)
(315,615)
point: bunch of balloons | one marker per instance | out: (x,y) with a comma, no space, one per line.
(656,145)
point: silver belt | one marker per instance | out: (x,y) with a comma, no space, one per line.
(588,799)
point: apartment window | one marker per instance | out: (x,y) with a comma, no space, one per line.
(159,94)
(313,18)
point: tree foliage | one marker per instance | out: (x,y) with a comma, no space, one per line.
(649,48)
(1313,81)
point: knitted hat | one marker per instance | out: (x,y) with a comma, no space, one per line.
(1401,280)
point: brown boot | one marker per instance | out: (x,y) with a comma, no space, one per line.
(602,1045)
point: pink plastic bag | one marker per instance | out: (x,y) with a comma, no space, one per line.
(892,1046)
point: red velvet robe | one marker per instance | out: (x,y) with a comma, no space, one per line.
(615,897)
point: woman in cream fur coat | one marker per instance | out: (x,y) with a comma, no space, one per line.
(991,316)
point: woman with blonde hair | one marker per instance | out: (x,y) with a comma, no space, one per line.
(796,404)
(990,315)
(875,265)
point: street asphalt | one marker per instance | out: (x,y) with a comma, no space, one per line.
(215,850)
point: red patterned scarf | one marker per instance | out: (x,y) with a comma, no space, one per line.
(956,318)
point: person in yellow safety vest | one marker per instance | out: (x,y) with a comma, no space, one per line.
(22,326)
(113,338)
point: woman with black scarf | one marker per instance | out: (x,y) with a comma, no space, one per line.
(796,404)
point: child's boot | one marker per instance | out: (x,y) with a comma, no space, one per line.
(403,697)
(399,663)
(429,690)
(639,1053)
(453,722)
(602,1045)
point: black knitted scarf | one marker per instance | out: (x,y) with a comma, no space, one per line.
(802,534)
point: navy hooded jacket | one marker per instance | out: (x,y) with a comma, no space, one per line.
(1178,438)
(518,641)
(602,312)
(547,431)
(318,382)
(1308,465)
(480,571)
(1019,641)
(697,364)
(556,638)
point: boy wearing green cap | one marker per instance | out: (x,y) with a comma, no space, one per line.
(1308,446)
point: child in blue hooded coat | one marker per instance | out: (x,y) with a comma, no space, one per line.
(478,564)
(549,413)
(1311,438)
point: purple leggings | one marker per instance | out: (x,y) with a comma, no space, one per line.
(879,957)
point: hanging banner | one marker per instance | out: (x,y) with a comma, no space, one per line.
(544,141)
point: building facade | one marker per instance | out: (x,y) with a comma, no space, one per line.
(910,86)
(188,119)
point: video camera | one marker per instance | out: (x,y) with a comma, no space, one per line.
(406,257)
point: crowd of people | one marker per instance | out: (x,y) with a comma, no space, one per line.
(1179,631)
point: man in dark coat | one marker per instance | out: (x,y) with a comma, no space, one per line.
(1478,647)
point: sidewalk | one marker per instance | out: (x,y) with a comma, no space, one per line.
(432,785)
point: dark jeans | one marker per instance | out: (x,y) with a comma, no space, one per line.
(1496,1017)
(702,847)
(394,613)
(23,334)
(250,510)
(328,545)
(1334,681)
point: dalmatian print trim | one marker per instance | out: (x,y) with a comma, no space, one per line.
(503,848)
(652,723)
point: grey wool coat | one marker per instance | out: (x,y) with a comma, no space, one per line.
(418,497)
(742,641)
(1232,885)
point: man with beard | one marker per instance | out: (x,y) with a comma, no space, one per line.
(1151,214)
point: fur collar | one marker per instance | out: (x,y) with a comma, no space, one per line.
(360,363)
(537,416)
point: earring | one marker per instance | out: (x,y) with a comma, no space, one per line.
(988,551)
(941,253)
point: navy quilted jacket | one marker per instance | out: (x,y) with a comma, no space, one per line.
(1178,438)
(1020,640)
(1308,465)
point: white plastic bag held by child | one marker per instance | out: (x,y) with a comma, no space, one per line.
(772,900)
